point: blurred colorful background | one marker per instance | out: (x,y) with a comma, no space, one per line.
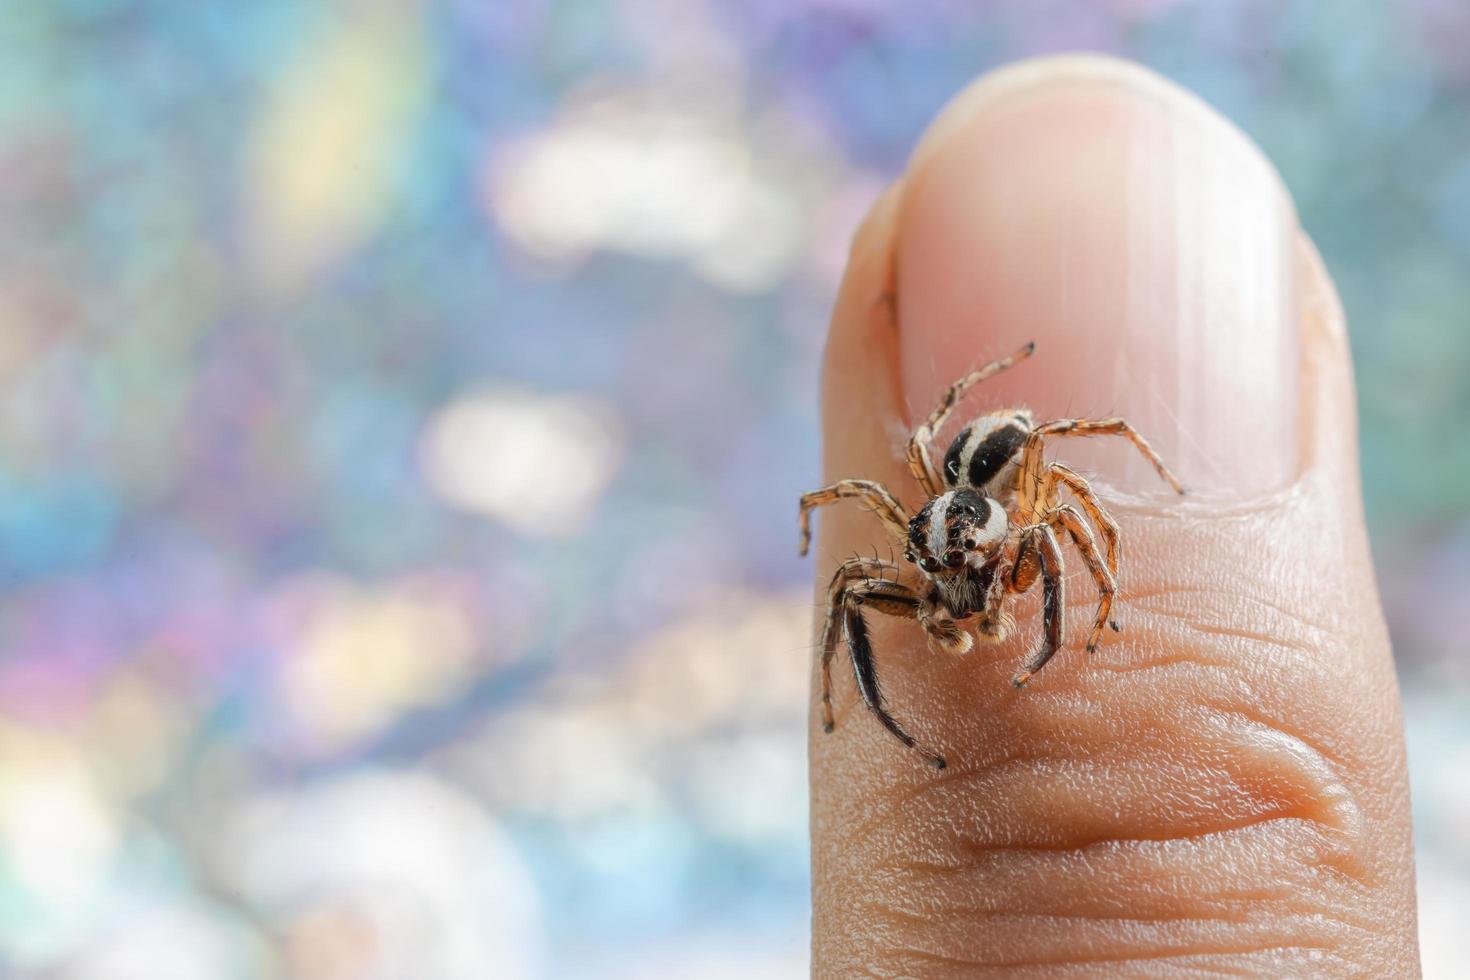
(402,410)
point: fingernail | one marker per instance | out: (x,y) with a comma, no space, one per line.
(1144,244)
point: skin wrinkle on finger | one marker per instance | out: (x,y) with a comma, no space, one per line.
(1186,683)
(1256,773)
(1130,881)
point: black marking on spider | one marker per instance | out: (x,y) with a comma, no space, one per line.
(992,525)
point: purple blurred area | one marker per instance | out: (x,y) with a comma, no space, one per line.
(402,411)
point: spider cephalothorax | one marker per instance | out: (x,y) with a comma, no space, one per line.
(989,530)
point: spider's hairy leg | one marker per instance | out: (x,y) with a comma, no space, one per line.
(875,495)
(1049,555)
(921,464)
(1026,565)
(1109,427)
(868,575)
(1087,497)
(861,649)
(1069,518)
(858,583)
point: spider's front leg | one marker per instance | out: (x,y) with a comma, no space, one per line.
(875,495)
(1039,554)
(921,464)
(855,573)
(858,582)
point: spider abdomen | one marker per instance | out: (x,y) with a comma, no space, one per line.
(984,454)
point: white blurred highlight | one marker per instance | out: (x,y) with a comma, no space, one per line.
(57,833)
(629,173)
(536,463)
(176,941)
(386,875)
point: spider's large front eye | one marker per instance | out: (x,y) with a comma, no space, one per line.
(965,510)
(908,556)
(929,563)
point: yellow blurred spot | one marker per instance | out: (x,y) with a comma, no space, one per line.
(365,657)
(732,657)
(327,150)
(133,733)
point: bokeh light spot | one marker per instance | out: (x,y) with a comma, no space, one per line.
(535,463)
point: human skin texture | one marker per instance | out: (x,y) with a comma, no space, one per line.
(1221,787)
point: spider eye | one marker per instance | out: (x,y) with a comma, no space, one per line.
(929,563)
(908,556)
(954,559)
(966,510)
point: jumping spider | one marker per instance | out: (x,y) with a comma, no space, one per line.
(989,529)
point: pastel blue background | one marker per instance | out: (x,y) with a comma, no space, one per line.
(402,408)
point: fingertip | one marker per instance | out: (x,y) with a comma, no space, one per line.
(1250,651)
(1138,234)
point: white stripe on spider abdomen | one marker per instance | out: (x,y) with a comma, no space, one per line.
(985,453)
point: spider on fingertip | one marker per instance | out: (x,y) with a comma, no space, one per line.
(991,528)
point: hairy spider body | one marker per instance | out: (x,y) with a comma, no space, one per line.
(991,527)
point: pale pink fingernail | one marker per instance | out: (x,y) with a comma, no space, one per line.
(1144,244)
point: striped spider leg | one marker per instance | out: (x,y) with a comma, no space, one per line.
(875,495)
(921,442)
(1038,554)
(1037,499)
(859,583)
